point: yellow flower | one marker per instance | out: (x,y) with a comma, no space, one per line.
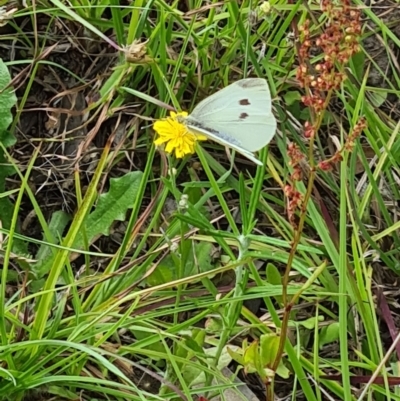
(176,135)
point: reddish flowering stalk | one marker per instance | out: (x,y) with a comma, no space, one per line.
(293,196)
(337,43)
(327,164)
(356,132)
(295,199)
(309,130)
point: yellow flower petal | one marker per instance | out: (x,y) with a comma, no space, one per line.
(170,146)
(174,115)
(175,135)
(186,148)
(201,137)
(159,141)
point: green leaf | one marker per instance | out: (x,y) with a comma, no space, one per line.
(329,334)
(58,222)
(378,98)
(214,325)
(252,359)
(196,340)
(142,334)
(111,206)
(311,322)
(62,392)
(191,349)
(7,101)
(236,356)
(195,376)
(164,272)
(274,277)
(197,261)
(7,139)
(282,370)
(269,344)
(202,262)
(357,65)
(291,97)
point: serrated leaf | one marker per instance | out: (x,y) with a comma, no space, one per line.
(7,102)
(7,98)
(111,206)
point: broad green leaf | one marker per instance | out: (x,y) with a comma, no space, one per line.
(329,334)
(7,101)
(111,206)
(269,344)
(291,97)
(311,322)
(282,370)
(252,358)
(357,65)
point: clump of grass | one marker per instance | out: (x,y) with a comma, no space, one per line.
(156,306)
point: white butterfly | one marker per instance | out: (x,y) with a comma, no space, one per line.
(238,116)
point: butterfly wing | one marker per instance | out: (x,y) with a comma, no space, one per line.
(222,138)
(238,116)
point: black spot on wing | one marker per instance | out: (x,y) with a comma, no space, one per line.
(243,116)
(244,102)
